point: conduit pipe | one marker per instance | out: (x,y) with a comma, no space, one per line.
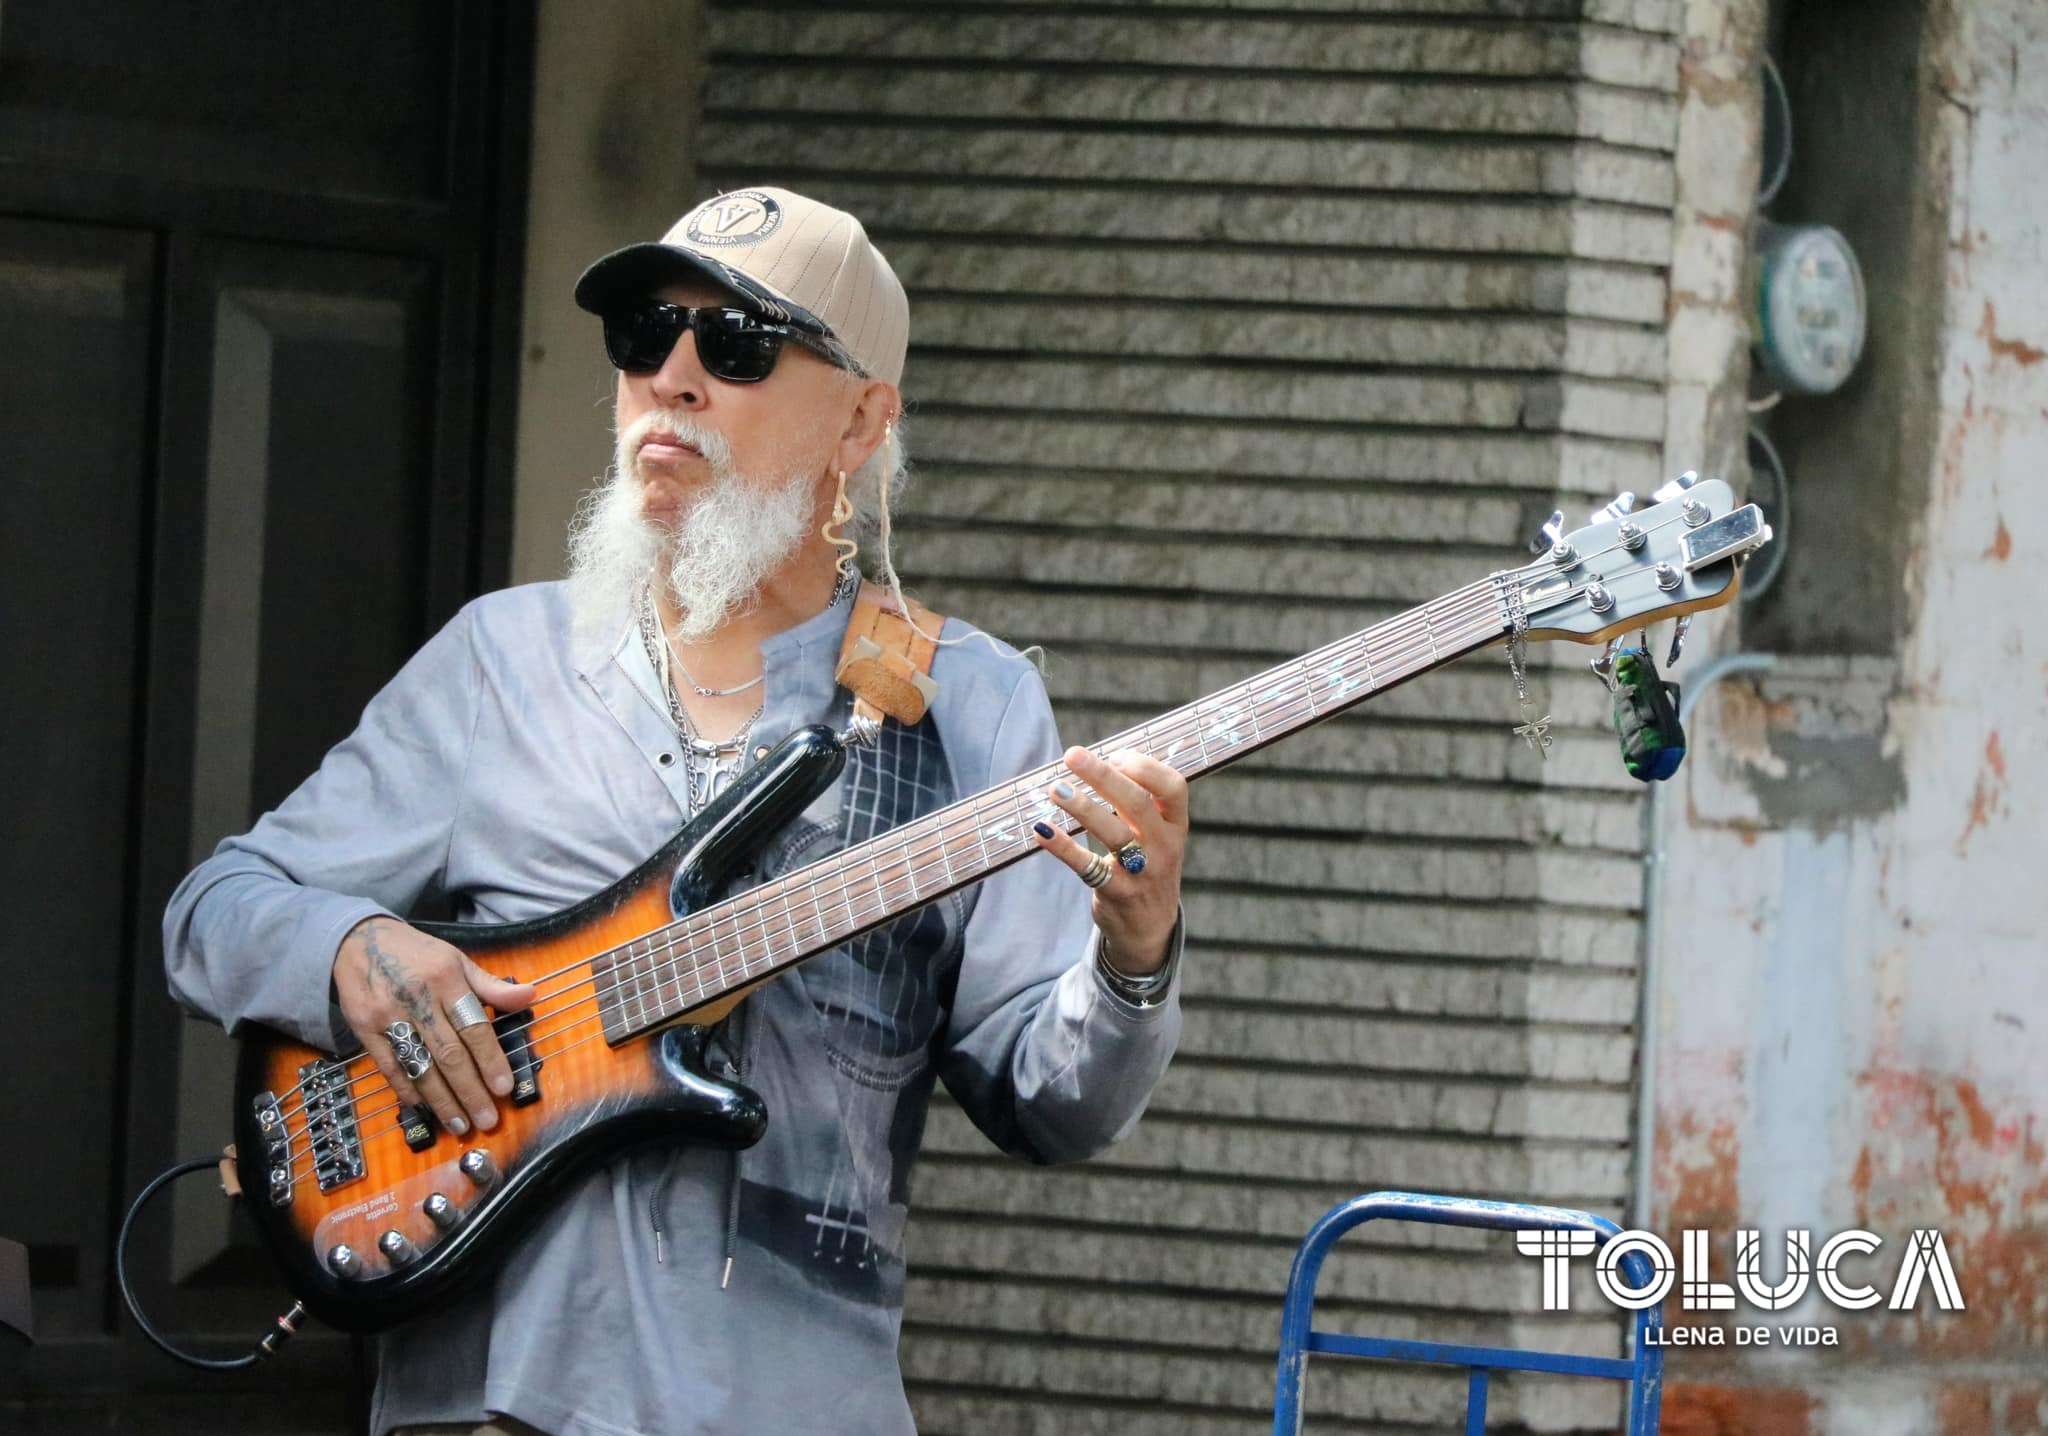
(1648,1003)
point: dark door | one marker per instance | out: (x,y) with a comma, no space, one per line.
(259,271)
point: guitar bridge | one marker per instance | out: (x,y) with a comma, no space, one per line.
(331,1131)
(277,1148)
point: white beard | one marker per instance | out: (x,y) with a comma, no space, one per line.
(713,558)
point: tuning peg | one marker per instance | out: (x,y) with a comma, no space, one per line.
(1550,535)
(1676,487)
(1623,505)
(1678,632)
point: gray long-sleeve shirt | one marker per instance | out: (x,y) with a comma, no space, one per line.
(514,773)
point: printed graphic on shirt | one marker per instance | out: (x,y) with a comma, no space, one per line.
(827,1190)
(879,1000)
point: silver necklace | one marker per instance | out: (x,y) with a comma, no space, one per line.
(648,617)
(709,764)
(848,581)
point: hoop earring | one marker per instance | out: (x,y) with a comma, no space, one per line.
(834,529)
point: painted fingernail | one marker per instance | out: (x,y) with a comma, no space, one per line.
(459,1127)
(486,1118)
(1064,790)
(502,1083)
(1044,830)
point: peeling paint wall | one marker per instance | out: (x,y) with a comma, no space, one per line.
(1853,1002)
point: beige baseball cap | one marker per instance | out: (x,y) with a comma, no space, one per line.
(783,256)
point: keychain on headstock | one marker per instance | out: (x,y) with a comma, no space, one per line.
(1645,707)
(1645,704)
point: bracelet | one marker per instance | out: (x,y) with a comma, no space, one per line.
(1146,991)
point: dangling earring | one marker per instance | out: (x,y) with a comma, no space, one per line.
(833,530)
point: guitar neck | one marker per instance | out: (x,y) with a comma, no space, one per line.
(753,936)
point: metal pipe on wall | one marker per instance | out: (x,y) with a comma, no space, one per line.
(1653,881)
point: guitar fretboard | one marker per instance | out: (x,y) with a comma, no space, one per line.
(751,937)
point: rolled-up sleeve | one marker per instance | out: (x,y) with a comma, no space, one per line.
(251,933)
(1043,1055)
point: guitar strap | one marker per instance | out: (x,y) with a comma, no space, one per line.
(885,662)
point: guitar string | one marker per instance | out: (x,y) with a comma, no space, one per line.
(1405,628)
(1020,791)
(1457,605)
(1469,602)
(904,879)
(883,894)
(883,883)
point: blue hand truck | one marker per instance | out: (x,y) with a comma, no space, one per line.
(1643,1371)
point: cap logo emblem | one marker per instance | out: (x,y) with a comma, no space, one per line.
(746,216)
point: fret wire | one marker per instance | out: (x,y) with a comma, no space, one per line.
(881,885)
(818,915)
(650,986)
(745,938)
(846,898)
(650,979)
(981,832)
(639,1001)
(788,918)
(675,983)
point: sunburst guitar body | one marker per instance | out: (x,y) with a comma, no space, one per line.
(374,1212)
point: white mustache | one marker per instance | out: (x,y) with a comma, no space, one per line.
(661,423)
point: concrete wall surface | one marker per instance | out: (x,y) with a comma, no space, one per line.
(1853,977)
(1231,333)
(615,109)
(1236,331)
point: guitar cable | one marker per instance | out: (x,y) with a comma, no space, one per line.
(283,1328)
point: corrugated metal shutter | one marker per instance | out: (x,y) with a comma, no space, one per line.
(1235,331)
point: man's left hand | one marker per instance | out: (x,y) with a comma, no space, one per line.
(1142,799)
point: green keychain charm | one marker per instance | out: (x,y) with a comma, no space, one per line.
(1646,717)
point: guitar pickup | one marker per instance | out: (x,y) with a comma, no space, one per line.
(514,1036)
(419,1125)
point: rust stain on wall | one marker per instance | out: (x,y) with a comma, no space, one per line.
(2017,350)
(1963,1410)
(2025,1411)
(2001,544)
(1693,1408)
(1987,798)
(1941,1155)
(1953,445)
(1700,1173)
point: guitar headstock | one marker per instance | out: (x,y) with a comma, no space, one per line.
(1631,567)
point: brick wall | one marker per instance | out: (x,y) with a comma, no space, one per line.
(1235,331)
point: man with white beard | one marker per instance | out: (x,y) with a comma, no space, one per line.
(552,736)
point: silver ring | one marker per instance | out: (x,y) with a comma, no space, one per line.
(468,1011)
(413,1057)
(1132,856)
(1098,870)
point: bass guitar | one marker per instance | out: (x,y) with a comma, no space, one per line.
(375,1214)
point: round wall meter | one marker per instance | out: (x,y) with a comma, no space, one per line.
(1807,320)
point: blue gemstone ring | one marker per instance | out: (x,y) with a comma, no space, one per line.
(1132,857)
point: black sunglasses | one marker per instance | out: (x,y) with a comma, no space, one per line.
(733,345)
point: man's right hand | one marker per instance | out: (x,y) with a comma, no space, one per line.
(386,972)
